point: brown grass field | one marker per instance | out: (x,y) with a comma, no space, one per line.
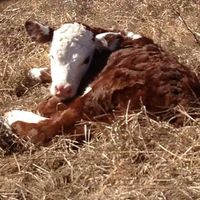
(125,160)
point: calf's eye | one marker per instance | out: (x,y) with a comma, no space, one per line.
(86,61)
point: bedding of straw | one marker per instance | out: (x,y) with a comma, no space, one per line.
(124,160)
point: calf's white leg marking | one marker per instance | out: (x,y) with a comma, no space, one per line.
(35,73)
(20,115)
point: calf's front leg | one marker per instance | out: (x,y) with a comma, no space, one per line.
(40,129)
(50,106)
(29,125)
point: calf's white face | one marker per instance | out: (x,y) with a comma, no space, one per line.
(71,51)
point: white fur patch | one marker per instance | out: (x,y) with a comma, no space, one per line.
(133,36)
(19,115)
(100,38)
(87,90)
(72,44)
(35,73)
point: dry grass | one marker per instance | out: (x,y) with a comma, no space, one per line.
(125,160)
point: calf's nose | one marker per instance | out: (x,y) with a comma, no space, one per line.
(63,91)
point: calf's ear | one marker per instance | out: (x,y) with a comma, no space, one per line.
(109,41)
(39,32)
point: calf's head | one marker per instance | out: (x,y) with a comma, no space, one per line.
(72,48)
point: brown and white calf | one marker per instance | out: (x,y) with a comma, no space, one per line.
(127,69)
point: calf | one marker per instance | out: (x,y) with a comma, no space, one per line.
(135,72)
(72,49)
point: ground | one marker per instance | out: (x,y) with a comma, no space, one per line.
(132,158)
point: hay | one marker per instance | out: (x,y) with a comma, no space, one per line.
(124,160)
